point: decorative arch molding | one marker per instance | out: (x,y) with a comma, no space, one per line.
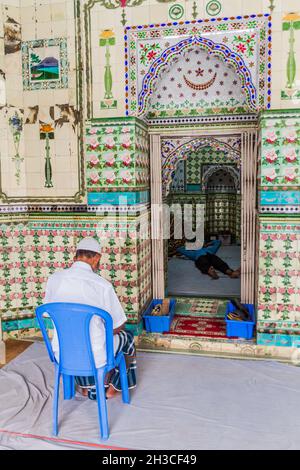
(217,50)
(211,171)
(182,152)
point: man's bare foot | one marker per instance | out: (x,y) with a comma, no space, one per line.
(111,392)
(235,274)
(212,273)
(82,390)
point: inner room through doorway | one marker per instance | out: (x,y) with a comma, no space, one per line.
(207,178)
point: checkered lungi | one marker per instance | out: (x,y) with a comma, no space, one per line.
(126,345)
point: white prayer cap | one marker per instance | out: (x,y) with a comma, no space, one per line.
(89,244)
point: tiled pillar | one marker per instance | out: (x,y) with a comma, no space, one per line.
(279,244)
(117,170)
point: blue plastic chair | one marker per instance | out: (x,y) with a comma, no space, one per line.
(72,323)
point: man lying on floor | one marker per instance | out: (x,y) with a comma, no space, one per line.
(80,284)
(207,261)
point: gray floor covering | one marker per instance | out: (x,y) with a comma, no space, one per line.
(185,279)
(182,402)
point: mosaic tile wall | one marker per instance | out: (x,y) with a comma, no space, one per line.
(195,161)
(117,155)
(222,211)
(223,215)
(279,244)
(191,172)
(280,161)
(178,182)
(193,169)
(279,282)
(34,247)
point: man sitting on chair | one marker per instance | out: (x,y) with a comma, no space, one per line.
(80,284)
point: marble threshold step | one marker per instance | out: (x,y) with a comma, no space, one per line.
(230,348)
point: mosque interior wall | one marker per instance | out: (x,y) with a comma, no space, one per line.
(83,83)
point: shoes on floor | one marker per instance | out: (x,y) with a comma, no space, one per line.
(240,313)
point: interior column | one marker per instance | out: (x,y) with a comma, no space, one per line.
(158,281)
(248,215)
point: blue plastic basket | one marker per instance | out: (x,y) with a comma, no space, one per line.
(240,329)
(158,324)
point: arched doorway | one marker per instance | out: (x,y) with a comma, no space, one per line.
(164,163)
(204,201)
(221,184)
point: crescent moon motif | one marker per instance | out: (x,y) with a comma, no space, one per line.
(200,86)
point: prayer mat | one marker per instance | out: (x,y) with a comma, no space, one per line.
(198,326)
(200,307)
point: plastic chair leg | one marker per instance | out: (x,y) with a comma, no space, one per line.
(69,386)
(101,403)
(124,380)
(55,401)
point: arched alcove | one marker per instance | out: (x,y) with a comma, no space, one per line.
(197,73)
(221,178)
(182,152)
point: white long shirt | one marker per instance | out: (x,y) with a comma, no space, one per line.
(79,284)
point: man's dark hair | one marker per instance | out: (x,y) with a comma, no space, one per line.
(85,254)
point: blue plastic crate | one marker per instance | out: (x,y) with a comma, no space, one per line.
(158,324)
(240,329)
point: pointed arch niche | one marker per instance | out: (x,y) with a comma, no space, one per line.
(215,66)
(171,156)
(232,173)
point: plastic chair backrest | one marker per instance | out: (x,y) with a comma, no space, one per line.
(72,323)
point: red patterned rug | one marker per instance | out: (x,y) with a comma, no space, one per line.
(198,326)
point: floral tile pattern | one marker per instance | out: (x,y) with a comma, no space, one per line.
(279,277)
(280,153)
(117,155)
(33,249)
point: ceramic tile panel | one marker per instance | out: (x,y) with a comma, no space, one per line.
(279,271)
(280,157)
(33,249)
(117,153)
(45,64)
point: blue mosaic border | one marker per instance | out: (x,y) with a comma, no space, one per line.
(14,325)
(279,198)
(118,198)
(265,339)
(135,328)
